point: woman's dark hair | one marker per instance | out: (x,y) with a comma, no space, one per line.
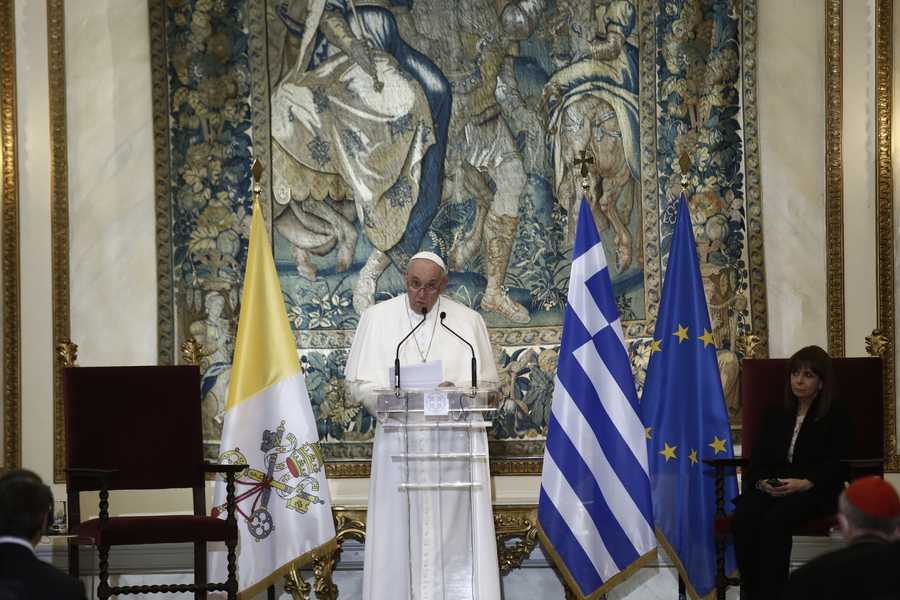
(818,361)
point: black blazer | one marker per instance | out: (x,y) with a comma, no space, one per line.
(12,590)
(821,445)
(41,581)
(864,570)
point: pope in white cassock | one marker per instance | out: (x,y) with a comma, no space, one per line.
(425,544)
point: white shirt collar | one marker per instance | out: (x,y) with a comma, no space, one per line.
(8,539)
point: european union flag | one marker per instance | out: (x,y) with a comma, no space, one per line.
(684,410)
(595,512)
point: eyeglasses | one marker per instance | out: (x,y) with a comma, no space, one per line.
(415,288)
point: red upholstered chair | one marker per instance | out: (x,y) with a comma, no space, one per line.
(139,428)
(859,386)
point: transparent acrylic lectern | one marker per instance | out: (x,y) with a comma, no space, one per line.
(439,460)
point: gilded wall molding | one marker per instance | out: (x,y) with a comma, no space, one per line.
(759,309)
(834,177)
(165,296)
(885,218)
(59,192)
(10,242)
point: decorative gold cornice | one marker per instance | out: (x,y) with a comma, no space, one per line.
(67,353)
(9,238)
(517,466)
(59,193)
(750,345)
(515,522)
(877,343)
(354,468)
(834,177)
(192,351)
(349,523)
(885,219)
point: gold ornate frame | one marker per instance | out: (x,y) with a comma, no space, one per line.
(515,523)
(834,177)
(885,218)
(60,217)
(9,238)
(884,199)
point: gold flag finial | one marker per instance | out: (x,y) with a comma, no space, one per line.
(583,161)
(257,170)
(685,163)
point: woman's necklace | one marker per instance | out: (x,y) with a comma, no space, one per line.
(416,339)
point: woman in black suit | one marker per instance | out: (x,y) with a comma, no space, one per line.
(796,473)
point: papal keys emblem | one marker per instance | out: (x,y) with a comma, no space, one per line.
(288,469)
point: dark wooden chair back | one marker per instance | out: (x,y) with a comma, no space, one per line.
(139,428)
(859,385)
(134,419)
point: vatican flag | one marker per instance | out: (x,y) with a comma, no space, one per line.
(283,508)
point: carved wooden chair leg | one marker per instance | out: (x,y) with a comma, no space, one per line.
(104,591)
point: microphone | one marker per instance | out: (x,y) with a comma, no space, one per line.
(474,364)
(397,359)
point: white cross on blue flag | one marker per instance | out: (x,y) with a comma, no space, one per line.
(595,511)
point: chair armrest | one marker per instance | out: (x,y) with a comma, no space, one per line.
(220,468)
(103,475)
(862,462)
(96,473)
(864,466)
(727,462)
(230,470)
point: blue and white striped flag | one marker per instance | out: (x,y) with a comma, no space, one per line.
(595,513)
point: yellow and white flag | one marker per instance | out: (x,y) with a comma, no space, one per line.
(283,508)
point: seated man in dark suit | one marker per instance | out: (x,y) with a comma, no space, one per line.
(24,506)
(11,590)
(869,516)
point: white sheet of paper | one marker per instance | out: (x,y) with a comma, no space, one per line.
(422,376)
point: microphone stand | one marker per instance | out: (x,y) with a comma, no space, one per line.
(397,359)
(474,365)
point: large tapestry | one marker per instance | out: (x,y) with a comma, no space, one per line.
(451,126)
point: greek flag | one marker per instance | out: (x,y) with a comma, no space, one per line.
(595,514)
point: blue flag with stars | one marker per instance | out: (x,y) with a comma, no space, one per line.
(684,410)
